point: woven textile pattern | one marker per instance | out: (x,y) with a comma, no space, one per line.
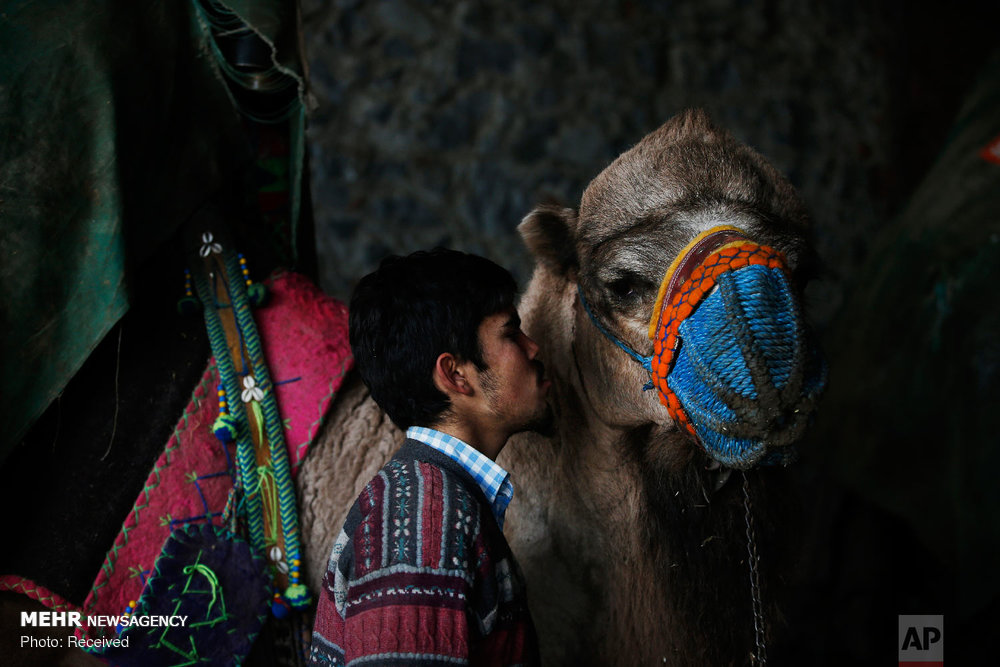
(304,335)
(491,478)
(421,574)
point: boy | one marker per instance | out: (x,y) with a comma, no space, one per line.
(421,574)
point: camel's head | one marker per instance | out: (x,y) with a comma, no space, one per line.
(686,255)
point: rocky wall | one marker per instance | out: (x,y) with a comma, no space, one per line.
(443,122)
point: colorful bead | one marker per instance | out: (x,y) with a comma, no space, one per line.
(128,612)
(225,425)
(256,293)
(279,607)
(188,304)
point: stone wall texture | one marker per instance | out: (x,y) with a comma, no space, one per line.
(443,122)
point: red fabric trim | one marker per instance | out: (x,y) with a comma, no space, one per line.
(409,629)
(368,536)
(432,516)
(54,601)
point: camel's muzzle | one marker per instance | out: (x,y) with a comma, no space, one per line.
(732,359)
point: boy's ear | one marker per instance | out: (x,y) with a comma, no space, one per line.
(450,375)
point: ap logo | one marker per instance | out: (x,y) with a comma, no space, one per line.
(921,641)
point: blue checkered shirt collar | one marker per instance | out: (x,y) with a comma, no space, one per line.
(492,479)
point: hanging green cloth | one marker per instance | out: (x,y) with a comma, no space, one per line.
(115,126)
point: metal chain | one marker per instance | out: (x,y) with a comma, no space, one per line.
(759,655)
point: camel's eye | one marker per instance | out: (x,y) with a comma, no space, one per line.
(622,288)
(627,290)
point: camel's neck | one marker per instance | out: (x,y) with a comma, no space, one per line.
(636,499)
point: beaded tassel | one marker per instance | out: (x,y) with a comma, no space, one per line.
(256,292)
(189,303)
(128,612)
(296,593)
(279,607)
(225,425)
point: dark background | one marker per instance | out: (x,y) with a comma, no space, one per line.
(445,122)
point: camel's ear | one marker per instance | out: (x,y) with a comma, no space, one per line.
(550,233)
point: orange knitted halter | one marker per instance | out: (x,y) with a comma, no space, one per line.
(688,280)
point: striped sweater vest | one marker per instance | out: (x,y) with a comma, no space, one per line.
(421,574)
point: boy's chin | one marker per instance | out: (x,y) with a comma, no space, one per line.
(543,424)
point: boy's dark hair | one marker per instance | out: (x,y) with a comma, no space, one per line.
(412,309)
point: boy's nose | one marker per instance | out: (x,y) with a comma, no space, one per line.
(530,346)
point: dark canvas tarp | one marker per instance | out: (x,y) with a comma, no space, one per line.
(115,126)
(910,418)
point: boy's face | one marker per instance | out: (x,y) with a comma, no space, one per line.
(514,381)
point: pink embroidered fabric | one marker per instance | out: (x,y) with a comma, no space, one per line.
(304,336)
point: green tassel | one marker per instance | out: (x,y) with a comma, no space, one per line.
(298,596)
(188,305)
(224,428)
(257,294)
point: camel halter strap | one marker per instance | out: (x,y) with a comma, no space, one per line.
(645,362)
(711,258)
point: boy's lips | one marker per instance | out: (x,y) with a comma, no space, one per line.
(543,382)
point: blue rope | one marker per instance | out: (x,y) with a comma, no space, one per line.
(645,362)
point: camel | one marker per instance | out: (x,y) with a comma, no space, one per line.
(635,538)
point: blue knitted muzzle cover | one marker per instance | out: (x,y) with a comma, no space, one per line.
(732,359)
